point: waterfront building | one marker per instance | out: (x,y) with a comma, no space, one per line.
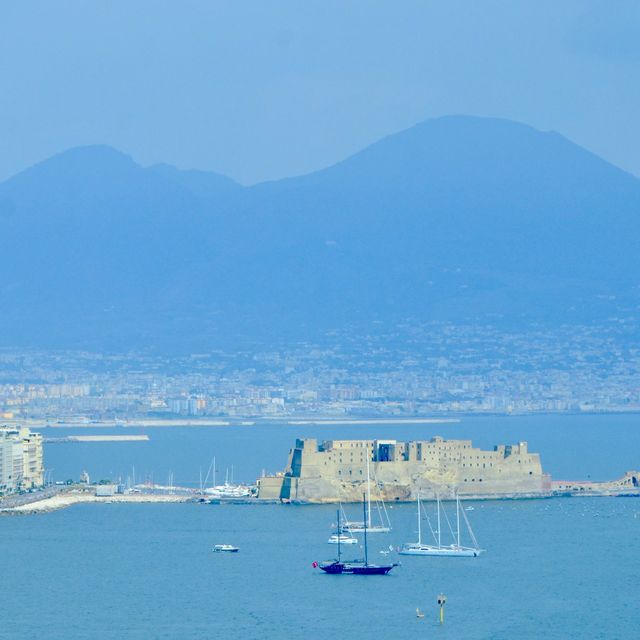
(32,456)
(11,461)
(21,460)
(338,470)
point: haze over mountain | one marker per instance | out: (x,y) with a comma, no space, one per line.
(458,218)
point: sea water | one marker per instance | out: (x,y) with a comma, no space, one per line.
(553,568)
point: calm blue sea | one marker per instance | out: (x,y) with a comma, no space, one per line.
(561,568)
(555,568)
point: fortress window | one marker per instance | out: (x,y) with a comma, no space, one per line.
(530,473)
(480,480)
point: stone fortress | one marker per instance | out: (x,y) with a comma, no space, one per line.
(336,470)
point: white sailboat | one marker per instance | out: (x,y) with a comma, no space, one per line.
(385,523)
(342,536)
(456,549)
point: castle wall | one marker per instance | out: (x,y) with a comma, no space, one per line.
(337,470)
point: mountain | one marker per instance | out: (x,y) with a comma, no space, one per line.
(460,218)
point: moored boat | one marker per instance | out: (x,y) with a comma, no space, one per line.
(455,549)
(342,538)
(385,523)
(355,567)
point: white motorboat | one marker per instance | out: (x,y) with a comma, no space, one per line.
(455,549)
(342,538)
(223,491)
(228,491)
(225,548)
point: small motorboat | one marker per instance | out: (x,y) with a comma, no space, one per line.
(342,538)
(225,548)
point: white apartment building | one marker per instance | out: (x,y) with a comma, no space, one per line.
(21,460)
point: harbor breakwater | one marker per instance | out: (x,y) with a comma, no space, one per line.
(61,500)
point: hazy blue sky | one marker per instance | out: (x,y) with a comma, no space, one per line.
(264,89)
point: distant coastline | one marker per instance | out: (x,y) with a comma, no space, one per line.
(171,422)
(365,421)
(144,423)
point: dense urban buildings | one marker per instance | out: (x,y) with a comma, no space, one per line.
(405,370)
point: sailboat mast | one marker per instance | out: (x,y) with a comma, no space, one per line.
(366,553)
(439,538)
(339,534)
(419,523)
(368,510)
(458,517)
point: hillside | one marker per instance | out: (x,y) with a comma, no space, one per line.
(460,218)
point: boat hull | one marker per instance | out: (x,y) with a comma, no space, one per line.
(374,529)
(332,567)
(356,569)
(371,570)
(453,552)
(225,549)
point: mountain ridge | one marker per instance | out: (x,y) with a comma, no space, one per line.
(456,218)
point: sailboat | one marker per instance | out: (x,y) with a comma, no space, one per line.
(385,523)
(342,536)
(355,567)
(456,549)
